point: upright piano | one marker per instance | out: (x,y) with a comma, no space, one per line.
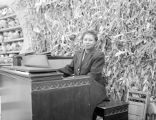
(30,93)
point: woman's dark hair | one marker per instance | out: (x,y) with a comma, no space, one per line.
(90,32)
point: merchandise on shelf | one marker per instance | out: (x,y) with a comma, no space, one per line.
(1,49)
(5,59)
(6,11)
(15,46)
(8,23)
(12,22)
(3,24)
(11,36)
(1,38)
(21,34)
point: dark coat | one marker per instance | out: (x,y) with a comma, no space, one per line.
(92,65)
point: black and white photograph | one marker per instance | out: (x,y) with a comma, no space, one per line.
(77,59)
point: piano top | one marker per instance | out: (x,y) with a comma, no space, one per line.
(34,73)
(30,69)
(38,74)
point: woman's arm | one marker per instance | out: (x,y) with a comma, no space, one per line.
(97,68)
(68,70)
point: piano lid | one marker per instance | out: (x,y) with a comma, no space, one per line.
(29,69)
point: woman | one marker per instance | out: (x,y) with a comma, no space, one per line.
(89,61)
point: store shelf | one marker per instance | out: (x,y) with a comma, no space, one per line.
(9,29)
(2,53)
(3,6)
(7,64)
(8,16)
(14,40)
(6,59)
(10,52)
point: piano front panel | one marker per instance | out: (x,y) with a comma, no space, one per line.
(61,99)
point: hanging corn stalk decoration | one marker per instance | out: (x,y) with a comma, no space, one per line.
(126,31)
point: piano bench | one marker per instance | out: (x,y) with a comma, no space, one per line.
(112,110)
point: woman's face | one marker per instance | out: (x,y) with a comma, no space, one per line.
(89,41)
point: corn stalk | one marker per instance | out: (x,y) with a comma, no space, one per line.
(126,31)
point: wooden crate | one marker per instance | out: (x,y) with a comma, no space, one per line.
(137,105)
(151,110)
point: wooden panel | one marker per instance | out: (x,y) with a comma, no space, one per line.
(16,97)
(61,100)
(136,109)
(134,117)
